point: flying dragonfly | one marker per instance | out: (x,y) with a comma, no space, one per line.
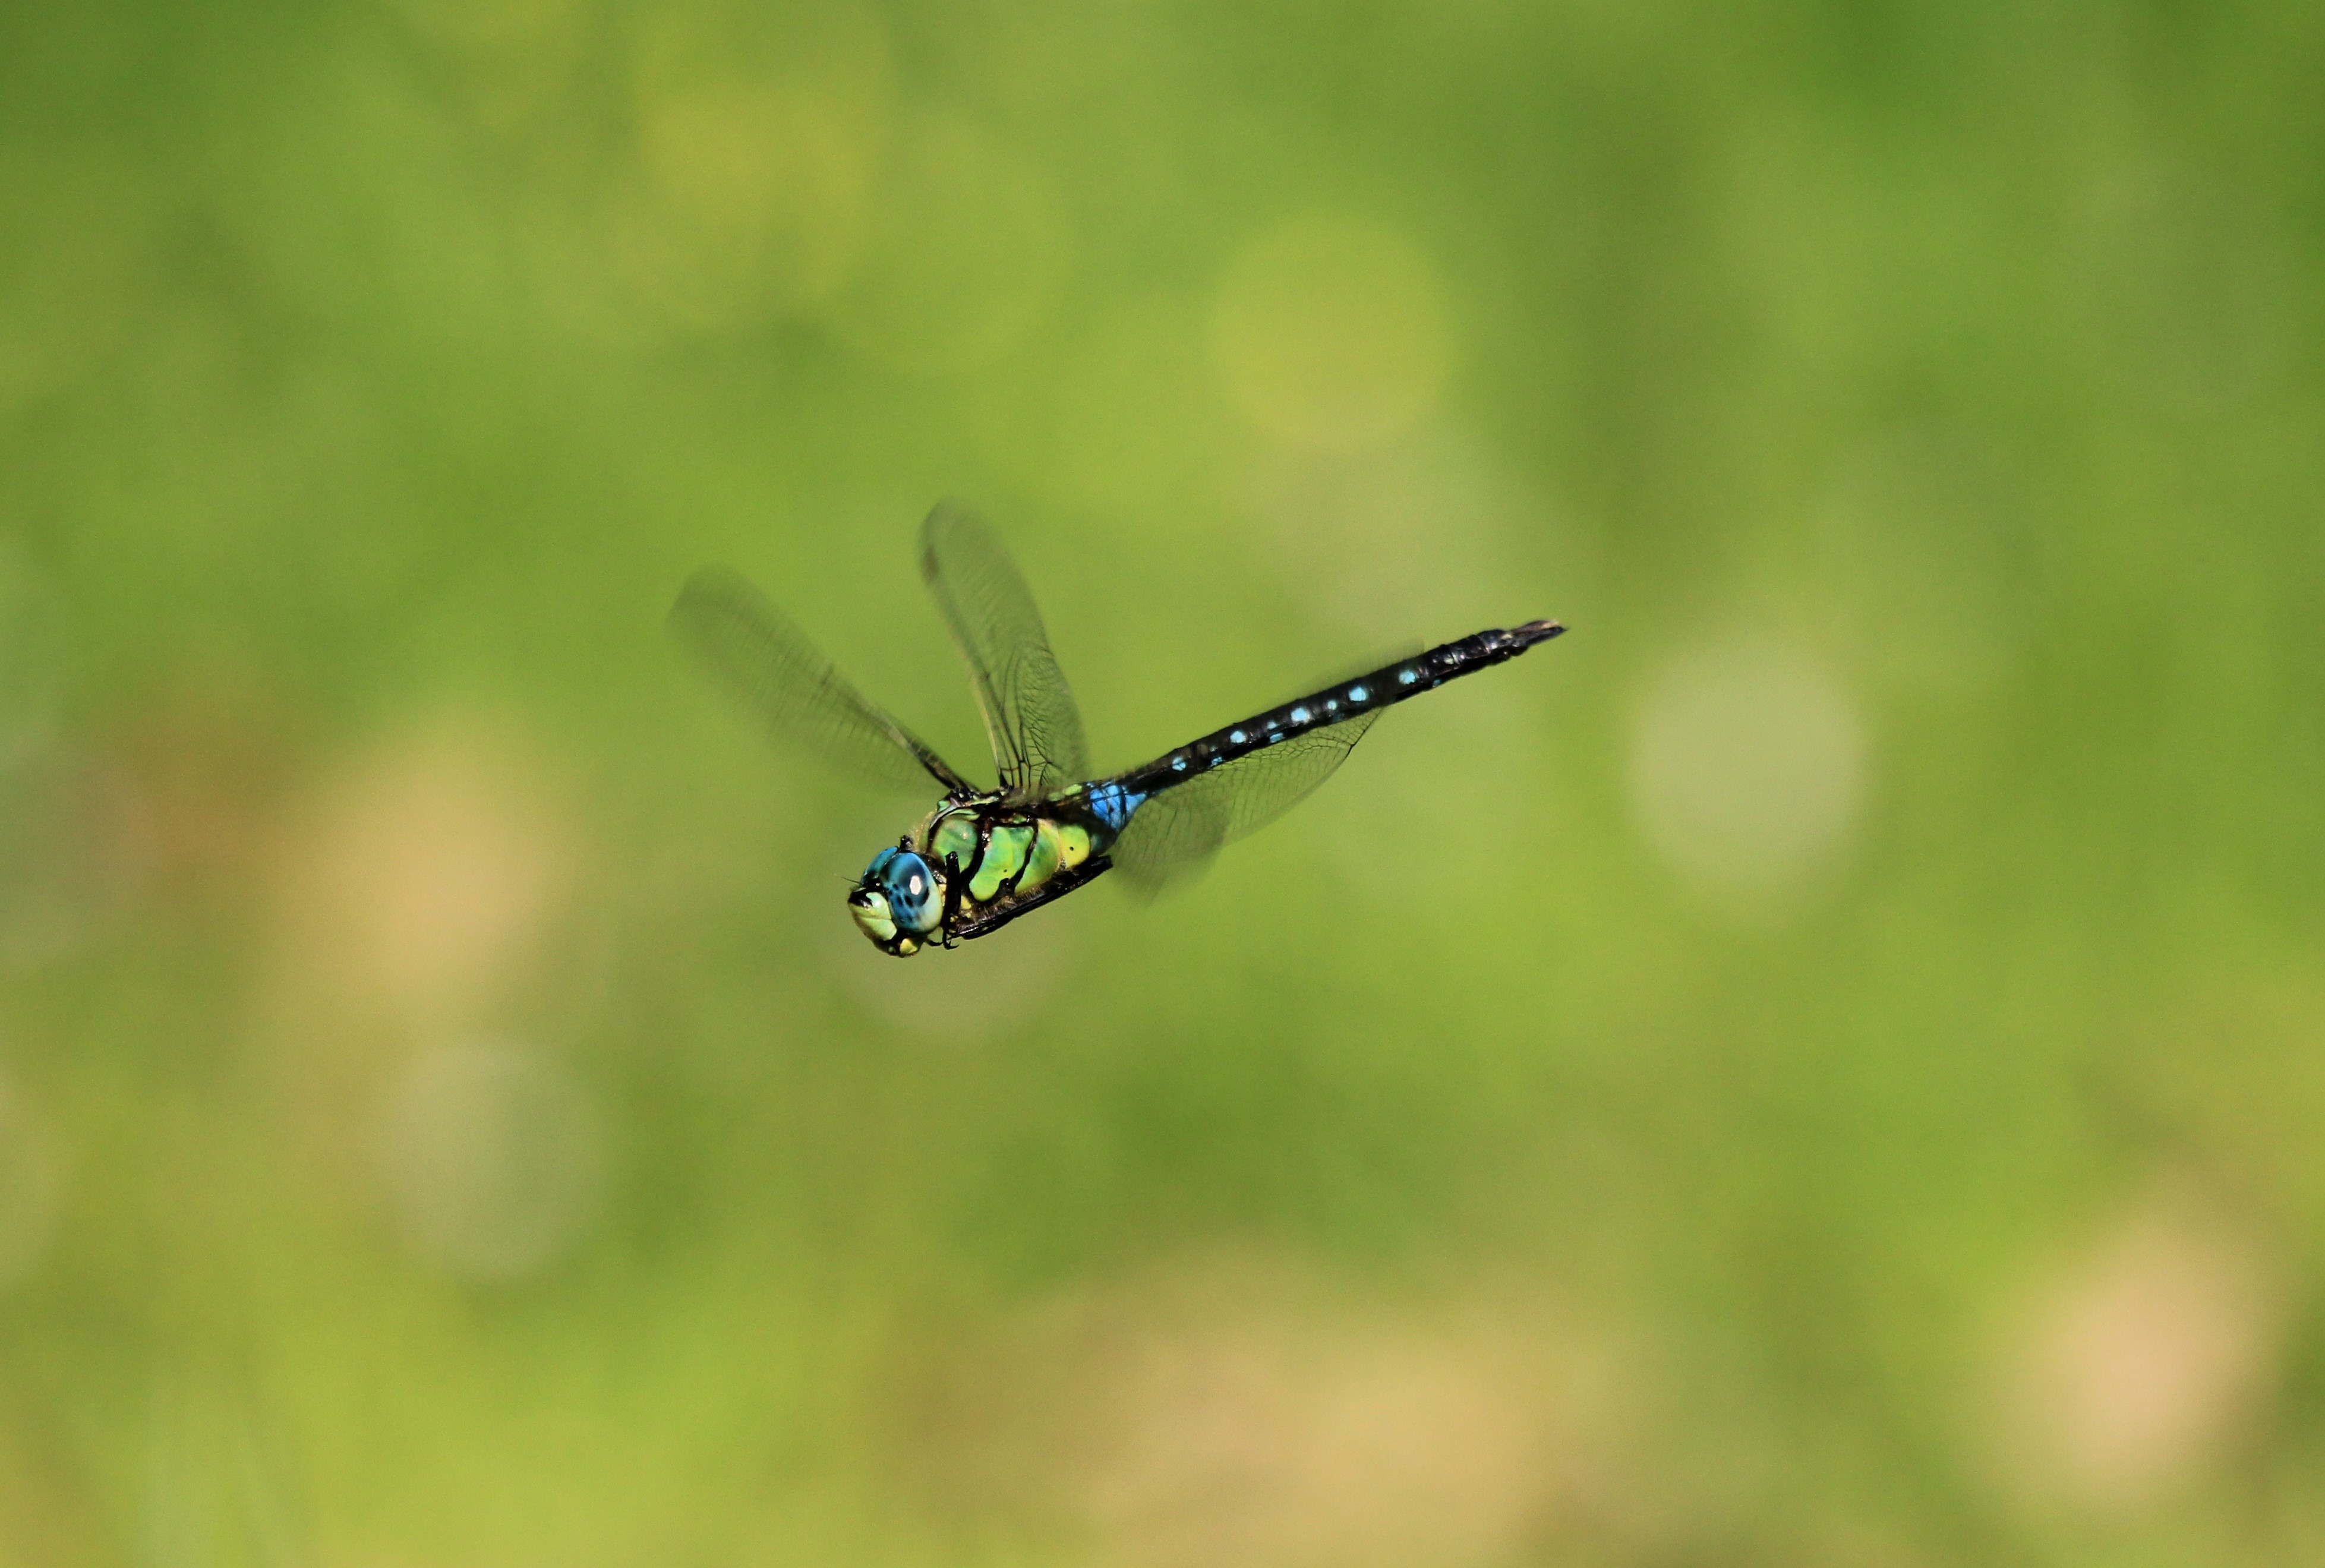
(983,857)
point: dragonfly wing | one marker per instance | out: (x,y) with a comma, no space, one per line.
(1179,828)
(1029,710)
(769,666)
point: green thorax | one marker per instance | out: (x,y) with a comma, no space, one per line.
(995,854)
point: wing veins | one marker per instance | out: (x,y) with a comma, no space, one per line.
(1030,716)
(780,678)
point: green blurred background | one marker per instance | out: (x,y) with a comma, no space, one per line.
(1819,1067)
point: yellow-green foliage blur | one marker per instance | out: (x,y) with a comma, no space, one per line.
(1823,1066)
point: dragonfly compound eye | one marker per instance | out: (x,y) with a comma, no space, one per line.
(910,889)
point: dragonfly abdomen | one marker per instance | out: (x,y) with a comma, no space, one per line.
(1335,704)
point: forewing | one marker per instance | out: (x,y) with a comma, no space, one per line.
(1029,710)
(1179,829)
(753,649)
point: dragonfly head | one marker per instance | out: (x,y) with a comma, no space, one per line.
(899,902)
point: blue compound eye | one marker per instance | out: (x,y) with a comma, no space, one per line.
(914,891)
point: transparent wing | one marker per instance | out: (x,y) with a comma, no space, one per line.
(753,649)
(1179,828)
(1029,710)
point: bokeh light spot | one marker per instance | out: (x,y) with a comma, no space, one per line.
(746,196)
(2145,1356)
(424,878)
(753,204)
(1747,766)
(1214,1413)
(1331,334)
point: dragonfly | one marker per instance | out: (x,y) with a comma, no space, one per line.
(983,857)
